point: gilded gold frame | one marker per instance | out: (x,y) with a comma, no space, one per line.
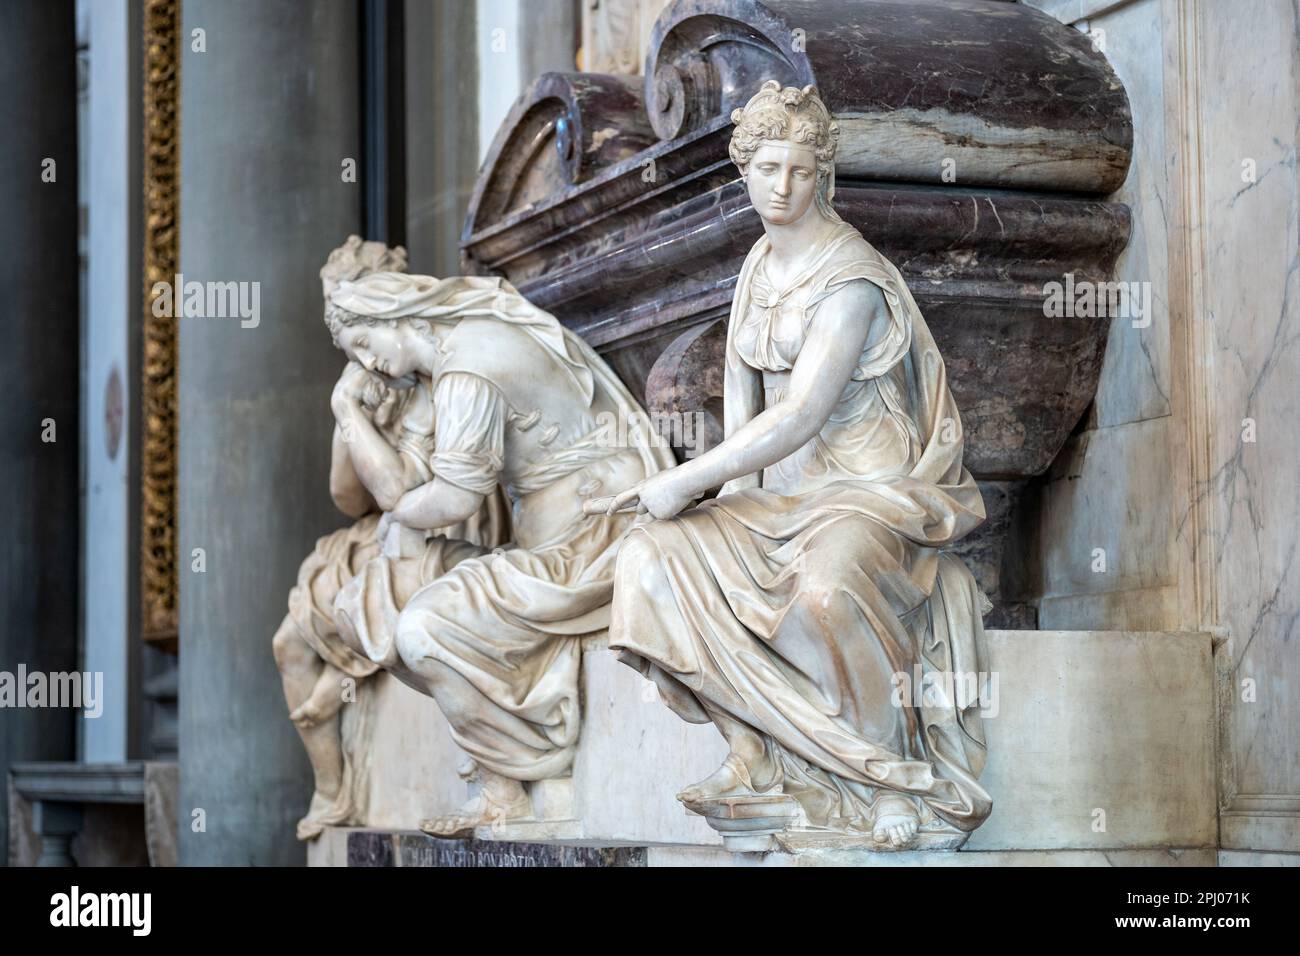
(161,218)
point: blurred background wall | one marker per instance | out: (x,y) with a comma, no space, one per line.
(40,437)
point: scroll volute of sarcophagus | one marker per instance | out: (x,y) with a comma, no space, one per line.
(564,128)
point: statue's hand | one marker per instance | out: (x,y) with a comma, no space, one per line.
(594,507)
(351,389)
(661,495)
(664,494)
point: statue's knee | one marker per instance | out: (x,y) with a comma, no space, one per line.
(641,566)
(289,648)
(818,593)
(414,647)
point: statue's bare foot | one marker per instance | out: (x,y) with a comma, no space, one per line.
(325,701)
(730,780)
(501,801)
(896,821)
(309,829)
(323,812)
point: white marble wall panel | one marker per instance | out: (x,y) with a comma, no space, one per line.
(1229,203)
(1249,104)
(108,415)
(1135,375)
(1110,486)
(1106,517)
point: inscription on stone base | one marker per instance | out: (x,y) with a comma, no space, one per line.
(418,849)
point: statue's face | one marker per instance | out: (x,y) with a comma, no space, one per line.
(782,180)
(385,349)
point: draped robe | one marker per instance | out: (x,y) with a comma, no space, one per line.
(523,405)
(340,556)
(794,600)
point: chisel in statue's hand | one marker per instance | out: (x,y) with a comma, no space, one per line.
(600,506)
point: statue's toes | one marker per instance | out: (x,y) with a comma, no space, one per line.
(894,833)
(455,825)
(903,833)
(305,716)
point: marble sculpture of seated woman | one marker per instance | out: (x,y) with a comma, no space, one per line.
(782,609)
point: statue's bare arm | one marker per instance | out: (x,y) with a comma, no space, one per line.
(826,361)
(742,401)
(366,471)
(346,488)
(436,504)
(845,322)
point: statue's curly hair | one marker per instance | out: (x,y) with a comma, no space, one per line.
(798,115)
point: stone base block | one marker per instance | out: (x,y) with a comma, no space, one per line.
(1098,740)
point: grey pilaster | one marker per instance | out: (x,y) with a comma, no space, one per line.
(268,114)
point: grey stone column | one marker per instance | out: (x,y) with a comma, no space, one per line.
(39,366)
(268,114)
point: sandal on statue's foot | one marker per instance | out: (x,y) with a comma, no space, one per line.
(483,810)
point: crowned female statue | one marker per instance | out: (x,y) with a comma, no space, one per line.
(520,405)
(785,609)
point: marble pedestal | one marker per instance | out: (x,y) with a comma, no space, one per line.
(1101,749)
(372,848)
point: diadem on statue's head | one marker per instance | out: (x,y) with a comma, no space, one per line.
(789,114)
